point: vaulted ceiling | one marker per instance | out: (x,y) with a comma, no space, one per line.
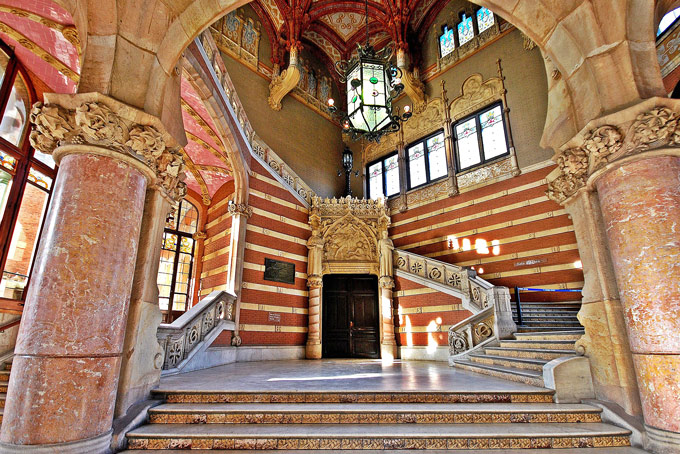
(335,27)
(46,42)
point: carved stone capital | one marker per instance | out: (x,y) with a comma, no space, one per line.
(200,235)
(648,126)
(386,282)
(240,208)
(88,120)
(315,281)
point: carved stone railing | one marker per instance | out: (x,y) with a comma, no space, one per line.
(260,150)
(491,317)
(479,293)
(179,338)
(472,333)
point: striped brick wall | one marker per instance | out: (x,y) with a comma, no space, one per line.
(537,245)
(274,313)
(216,245)
(423,314)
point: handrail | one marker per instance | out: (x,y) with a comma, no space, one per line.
(473,331)
(465,280)
(11,324)
(179,338)
(518,300)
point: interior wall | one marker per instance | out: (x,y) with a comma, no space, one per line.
(216,249)
(274,313)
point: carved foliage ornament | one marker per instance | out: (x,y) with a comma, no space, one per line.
(240,208)
(655,128)
(94,123)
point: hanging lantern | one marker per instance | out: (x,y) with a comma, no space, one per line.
(372,84)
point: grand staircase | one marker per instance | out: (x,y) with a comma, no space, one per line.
(548,331)
(374,421)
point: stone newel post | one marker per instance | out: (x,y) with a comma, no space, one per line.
(62,388)
(632,159)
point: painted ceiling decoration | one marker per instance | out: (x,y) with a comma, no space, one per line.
(46,42)
(335,27)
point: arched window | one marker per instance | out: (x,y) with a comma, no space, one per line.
(177,261)
(26,178)
(485,19)
(466,30)
(446,42)
(667,21)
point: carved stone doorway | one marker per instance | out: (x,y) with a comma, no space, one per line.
(351,317)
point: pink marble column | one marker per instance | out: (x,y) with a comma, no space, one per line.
(641,208)
(64,376)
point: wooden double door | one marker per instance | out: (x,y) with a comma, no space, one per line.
(350,316)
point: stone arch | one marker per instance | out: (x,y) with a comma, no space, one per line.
(227,128)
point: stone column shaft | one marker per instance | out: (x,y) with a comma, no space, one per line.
(640,203)
(237,243)
(388,344)
(313,347)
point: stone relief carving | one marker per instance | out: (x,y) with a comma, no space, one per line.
(350,239)
(94,123)
(239,208)
(655,128)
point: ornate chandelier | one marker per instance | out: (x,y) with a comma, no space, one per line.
(373,82)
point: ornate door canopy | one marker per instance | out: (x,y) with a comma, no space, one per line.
(350,231)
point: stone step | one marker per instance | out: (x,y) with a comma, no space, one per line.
(509,361)
(8,366)
(539,344)
(376,436)
(547,322)
(617,450)
(539,395)
(556,318)
(537,328)
(529,352)
(389,413)
(530,377)
(572,335)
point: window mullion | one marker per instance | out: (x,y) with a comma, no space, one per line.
(480,142)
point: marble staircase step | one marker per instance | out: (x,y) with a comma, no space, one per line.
(538,328)
(548,322)
(529,352)
(572,335)
(539,395)
(3,396)
(614,450)
(390,413)
(555,344)
(509,361)
(530,377)
(376,436)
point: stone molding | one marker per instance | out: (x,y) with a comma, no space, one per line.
(88,120)
(240,209)
(613,140)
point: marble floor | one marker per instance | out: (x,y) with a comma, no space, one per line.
(338,376)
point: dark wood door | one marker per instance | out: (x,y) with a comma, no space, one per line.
(350,317)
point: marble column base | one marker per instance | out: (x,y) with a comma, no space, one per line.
(97,445)
(388,352)
(313,351)
(662,441)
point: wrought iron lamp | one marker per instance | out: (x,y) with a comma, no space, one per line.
(373,82)
(347,167)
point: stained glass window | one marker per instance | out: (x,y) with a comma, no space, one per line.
(480,137)
(383,177)
(416,165)
(446,42)
(493,133)
(466,30)
(484,19)
(392,175)
(22,205)
(176,264)
(426,160)
(667,21)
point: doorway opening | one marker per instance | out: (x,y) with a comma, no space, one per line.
(350,316)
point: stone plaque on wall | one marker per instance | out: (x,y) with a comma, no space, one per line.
(275,270)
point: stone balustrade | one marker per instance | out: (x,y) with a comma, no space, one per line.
(479,292)
(259,149)
(473,332)
(179,338)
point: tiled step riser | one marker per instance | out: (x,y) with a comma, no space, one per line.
(549,337)
(371,418)
(538,381)
(539,345)
(522,354)
(540,329)
(506,363)
(357,398)
(3,387)
(377,443)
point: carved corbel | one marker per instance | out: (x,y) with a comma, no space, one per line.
(413,86)
(285,82)
(239,209)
